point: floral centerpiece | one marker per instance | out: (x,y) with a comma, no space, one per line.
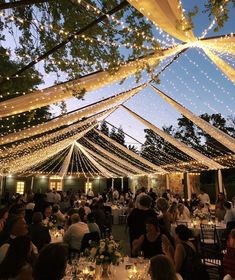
(107,251)
(201,216)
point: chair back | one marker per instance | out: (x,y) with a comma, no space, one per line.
(91,236)
(209,232)
(182,223)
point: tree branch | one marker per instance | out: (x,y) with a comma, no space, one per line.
(11,5)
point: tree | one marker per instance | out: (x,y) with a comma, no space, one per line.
(133,149)
(16,88)
(220,122)
(113,134)
(43,25)
(104,128)
(120,136)
(187,132)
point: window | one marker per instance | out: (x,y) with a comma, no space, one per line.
(56,184)
(88,186)
(20,187)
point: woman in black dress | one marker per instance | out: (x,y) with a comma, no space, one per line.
(150,242)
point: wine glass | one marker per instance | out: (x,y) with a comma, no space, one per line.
(141,256)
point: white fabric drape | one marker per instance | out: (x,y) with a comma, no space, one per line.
(66,162)
(64,120)
(130,153)
(214,132)
(32,143)
(223,44)
(228,70)
(20,164)
(103,170)
(116,158)
(220,180)
(110,163)
(181,146)
(168,15)
(90,82)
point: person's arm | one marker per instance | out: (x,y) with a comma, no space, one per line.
(67,235)
(167,248)
(26,273)
(136,244)
(179,257)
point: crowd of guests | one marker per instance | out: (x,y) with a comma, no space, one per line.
(26,251)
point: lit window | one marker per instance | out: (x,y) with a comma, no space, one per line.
(88,186)
(20,187)
(56,184)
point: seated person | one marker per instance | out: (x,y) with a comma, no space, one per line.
(183,212)
(16,264)
(185,258)
(39,234)
(231,239)
(173,211)
(151,242)
(229,257)
(51,262)
(201,210)
(74,235)
(161,268)
(92,225)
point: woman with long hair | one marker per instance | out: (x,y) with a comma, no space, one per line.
(16,265)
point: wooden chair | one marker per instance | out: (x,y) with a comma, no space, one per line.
(91,236)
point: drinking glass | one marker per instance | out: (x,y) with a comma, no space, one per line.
(141,256)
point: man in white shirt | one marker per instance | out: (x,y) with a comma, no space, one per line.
(57,197)
(90,194)
(228,217)
(115,194)
(50,197)
(74,235)
(204,198)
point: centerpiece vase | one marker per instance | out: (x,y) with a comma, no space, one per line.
(105,271)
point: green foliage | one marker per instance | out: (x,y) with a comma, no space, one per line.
(104,128)
(46,24)
(15,88)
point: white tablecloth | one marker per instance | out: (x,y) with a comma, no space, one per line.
(195,228)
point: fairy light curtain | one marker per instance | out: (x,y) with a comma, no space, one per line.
(108,162)
(130,153)
(65,165)
(216,133)
(25,162)
(72,129)
(116,158)
(91,82)
(65,119)
(181,146)
(103,170)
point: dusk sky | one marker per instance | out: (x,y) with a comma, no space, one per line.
(193,80)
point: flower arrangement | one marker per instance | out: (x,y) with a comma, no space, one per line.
(49,222)
(201,216)
(107,251)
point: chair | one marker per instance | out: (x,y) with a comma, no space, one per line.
(209,235)
(182,223)
(92,236)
